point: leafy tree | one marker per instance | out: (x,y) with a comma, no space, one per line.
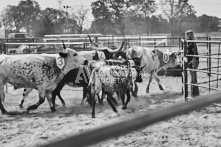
(54,21)
(175,11)
(159,24)
(47,26)
(118,10)
(80,16)
(7,19)
(25,15)
(207,24)
(57,18)
(145,8)
(102,16)
(188,23)
(111,14)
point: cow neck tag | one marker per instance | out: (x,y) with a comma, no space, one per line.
(60,62)
(101,56)
(166,57)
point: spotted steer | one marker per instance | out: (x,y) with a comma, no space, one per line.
(37,71)
(70,78)
(111,79)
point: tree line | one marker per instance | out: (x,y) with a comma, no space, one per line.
(121,17)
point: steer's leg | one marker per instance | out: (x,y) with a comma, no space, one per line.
(53,98)
(128,99)
(134,92)
(93,102)
(59,95)
(84,95)
(1,105)
(2,97)
(122,97)
(24,95)
(150,79)
(48,95)
(101,99)
(41,100)
(109,100)
(57,92)
(158,81)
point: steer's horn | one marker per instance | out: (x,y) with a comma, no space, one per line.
(89,38)
(116,50)
(64,45)
(107,48)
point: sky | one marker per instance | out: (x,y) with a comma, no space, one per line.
(208,7)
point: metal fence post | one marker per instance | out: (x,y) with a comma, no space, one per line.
(185,71)
(217,83)
(209,59)
(209,74)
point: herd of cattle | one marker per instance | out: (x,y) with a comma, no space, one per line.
(101,72)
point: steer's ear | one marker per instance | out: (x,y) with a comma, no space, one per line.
(63,55)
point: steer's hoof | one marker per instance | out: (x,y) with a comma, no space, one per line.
(93,116)
(100,102)
(33,107)
(56,105)
(53,109)
(21,107)
(134,94)
(161,88)
(124,107)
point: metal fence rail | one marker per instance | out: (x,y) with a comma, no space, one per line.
(121,128)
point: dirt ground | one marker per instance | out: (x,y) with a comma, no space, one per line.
(197,128)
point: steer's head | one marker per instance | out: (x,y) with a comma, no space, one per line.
(135,53)
(71,59)
(171,58)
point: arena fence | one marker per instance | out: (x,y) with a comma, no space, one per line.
(52,47)
(108,40)
(210,71)
(53,43)
(142,40)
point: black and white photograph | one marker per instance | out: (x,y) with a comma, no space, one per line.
(110,73)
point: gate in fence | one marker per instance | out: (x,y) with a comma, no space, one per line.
(208,71)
